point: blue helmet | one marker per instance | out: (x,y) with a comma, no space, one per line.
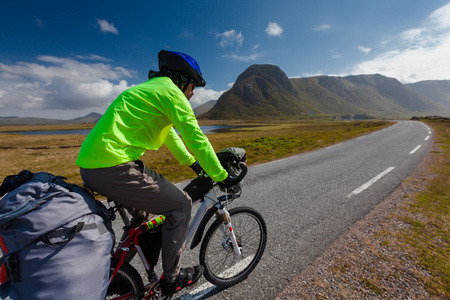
(178,61)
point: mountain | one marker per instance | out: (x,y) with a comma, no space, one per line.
(438,90)
(397,93)
(327,95)
(29,121)
(205,107)
(362,94)
(260,91)
(264,91)
(90,118)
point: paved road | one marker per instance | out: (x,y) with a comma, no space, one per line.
(310,199)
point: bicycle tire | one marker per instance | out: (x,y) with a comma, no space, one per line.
(126,281)
(222,266)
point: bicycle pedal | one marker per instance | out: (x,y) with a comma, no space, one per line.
(153,278)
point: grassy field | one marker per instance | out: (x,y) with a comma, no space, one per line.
(262,141)
(12,128)
(428,239)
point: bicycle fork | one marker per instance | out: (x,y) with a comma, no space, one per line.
(229,232)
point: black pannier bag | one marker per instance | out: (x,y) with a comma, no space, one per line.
(56,239)
(230,159)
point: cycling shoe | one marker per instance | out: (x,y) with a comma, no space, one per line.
(187,277)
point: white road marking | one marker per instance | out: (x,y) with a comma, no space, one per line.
(426,139)
(370,182)
(415,149)
(205,288)
(333,146)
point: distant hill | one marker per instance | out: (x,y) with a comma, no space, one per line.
(91,118)
(362,94)
(397,93)
(264,91)
(88,119)
(327,95)
(260,91)
(205,107)
(438,90)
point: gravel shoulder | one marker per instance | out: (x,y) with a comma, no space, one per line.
(366,262)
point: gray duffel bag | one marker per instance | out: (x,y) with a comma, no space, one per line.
(56,239)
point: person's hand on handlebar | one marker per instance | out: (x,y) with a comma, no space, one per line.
(231,180)
(196,168)
(227,183)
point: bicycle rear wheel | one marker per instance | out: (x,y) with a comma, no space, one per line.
(223,267)
(127,284)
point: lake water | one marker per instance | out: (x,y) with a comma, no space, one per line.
(206,130)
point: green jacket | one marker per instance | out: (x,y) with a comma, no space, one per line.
(141,118)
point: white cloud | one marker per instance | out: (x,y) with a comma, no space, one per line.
(39,22)
(105,26)
(251,57)
(440,18)
(308,74)
(422,54)
(273,29)
(93,57)
(323,27)
(230,38)
(411,34)
(202,95)
(336,56)
(365,50)
(60,84)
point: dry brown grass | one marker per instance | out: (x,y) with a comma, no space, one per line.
(12,128)
(57,153)
(51,153)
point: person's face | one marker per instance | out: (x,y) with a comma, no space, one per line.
(189,92)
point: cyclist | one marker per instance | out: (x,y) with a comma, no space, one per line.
(143,117)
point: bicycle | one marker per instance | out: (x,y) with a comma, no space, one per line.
(230,250)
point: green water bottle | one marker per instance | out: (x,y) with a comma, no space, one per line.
(155,222)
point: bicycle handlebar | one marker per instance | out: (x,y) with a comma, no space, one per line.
(201,185)
(237,179)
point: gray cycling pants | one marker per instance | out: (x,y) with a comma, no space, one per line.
(134,185)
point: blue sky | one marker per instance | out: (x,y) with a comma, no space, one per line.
(63,59)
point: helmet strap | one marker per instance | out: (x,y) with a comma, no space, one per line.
(180,83)
(177,77)
(186,86)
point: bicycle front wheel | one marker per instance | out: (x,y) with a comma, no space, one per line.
(127,284)
(223,267)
